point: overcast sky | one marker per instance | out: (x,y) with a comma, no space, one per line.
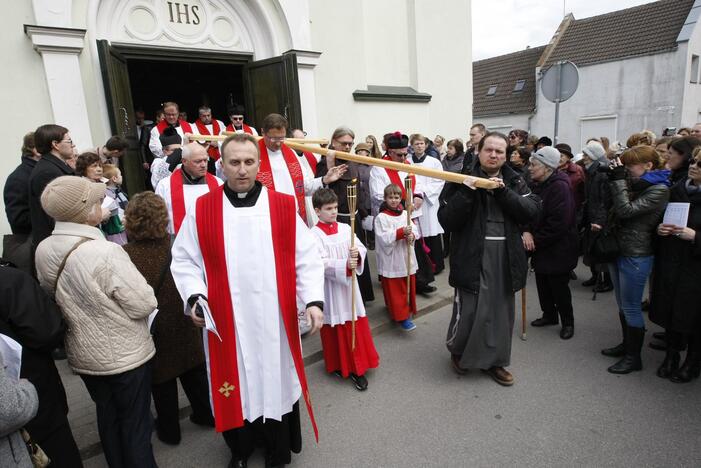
(503,26)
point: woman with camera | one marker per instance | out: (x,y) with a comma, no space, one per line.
(675,304)
(639,195)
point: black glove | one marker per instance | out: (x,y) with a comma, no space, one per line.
(617,173)
(191,302)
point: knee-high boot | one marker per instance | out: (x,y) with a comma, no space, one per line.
(631,361)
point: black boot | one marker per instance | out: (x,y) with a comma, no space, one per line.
(605,284)
(590,282)
(690,370)
(670,365)
(620,349)
(631,361)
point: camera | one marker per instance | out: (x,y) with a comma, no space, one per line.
(669,131)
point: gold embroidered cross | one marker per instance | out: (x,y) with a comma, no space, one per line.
(226,389)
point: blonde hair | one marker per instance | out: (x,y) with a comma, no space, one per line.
(109,171)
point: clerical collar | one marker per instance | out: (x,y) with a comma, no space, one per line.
(328,228)
(189,180)
(419,159)
(243,199)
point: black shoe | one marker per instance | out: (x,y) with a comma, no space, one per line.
(690,370)
(165,438)
(662,336)
(573,275)
(426,289)
(206,420)
(360,382)
(670,365)
(567,332)
(603,287)
(543,322)
(658,345)
(59,354)
(590,282)
(631,361)
(237,463)
(455,362)
(337,373)
(620,349)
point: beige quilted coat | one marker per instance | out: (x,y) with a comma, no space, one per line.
(104,299)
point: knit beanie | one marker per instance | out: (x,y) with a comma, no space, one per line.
(549,156)
(71,199)
(595,151)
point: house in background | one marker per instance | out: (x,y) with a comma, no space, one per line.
(638,69)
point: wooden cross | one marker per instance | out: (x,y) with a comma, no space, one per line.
(226,389)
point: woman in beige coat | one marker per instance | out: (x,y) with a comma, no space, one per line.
(105,302)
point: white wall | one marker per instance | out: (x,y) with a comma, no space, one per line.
(691,111)
(504,123)
(393,43)
(643,93)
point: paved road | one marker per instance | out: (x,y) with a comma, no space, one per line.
(564,410)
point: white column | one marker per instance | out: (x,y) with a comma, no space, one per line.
(59,49)
(306,62)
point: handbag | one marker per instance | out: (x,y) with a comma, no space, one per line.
(36,454)
(605,247)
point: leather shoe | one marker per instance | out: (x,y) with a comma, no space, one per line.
(543,322)
(567,332)
(206,420)
(455,362)
(426,289)
(590,282)
(237,463)
(360,382)
(658,345)
(500,376)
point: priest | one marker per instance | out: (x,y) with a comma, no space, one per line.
(397,149)
(186,184)
(280,168)
(237,124)
(171,110)
(207,125)
(240,259)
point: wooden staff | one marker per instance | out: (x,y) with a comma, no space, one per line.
(523,313)
(308,141)
(409,205)
(352,197)
(479,182)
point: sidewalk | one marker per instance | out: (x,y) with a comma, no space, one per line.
(82,409)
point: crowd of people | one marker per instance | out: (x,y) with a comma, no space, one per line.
(253,242)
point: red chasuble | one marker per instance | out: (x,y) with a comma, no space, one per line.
(163,124)
(395,179)
(265,174)
(213,150)
(178,198)
(223,361)
(246,129)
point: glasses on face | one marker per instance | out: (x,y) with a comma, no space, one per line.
(696,162)
(69,141)
(396,153)
(237,118)
(276,139)
(345,143)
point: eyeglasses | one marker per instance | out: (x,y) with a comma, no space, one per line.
(280,139)
(237,118)
(696,163)
(398,154)
(345,143)
(70,142)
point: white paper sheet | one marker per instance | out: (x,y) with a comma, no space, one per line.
(12,356)
(151,318)
(208,319)
(676,214)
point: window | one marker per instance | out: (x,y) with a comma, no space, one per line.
(520,84)
(694,71)
(492,90)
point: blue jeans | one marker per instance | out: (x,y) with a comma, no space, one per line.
(629,275)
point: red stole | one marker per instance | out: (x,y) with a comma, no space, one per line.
(395,179)
(177,198)
(213,150)
(163,124)
(265,174)
(246,129)
(223,361)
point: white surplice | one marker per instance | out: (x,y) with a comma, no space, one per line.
(379,180)
(190,193)
(391,252)
(431,190)
(267,377)
(334,250)
(283,179)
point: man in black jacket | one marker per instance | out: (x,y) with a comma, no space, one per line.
(54,144)
(487,260)
(30,317)
(16,247)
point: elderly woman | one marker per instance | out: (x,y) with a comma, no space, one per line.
(552,241)
(639,196)
(179,351)
(89,165)
(105,302)
(675,305)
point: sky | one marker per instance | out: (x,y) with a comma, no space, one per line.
(503,26)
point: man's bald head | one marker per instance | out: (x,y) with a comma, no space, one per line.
(193,149)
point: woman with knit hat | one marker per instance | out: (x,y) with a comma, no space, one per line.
(105,302)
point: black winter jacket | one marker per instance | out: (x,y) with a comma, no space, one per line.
(16,195)
(462,213)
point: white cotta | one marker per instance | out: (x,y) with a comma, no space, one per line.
(267,377)
(190,194)
(308,174)
(390,252)
(431,190)
(283,179)
(334,250)
(379,180)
